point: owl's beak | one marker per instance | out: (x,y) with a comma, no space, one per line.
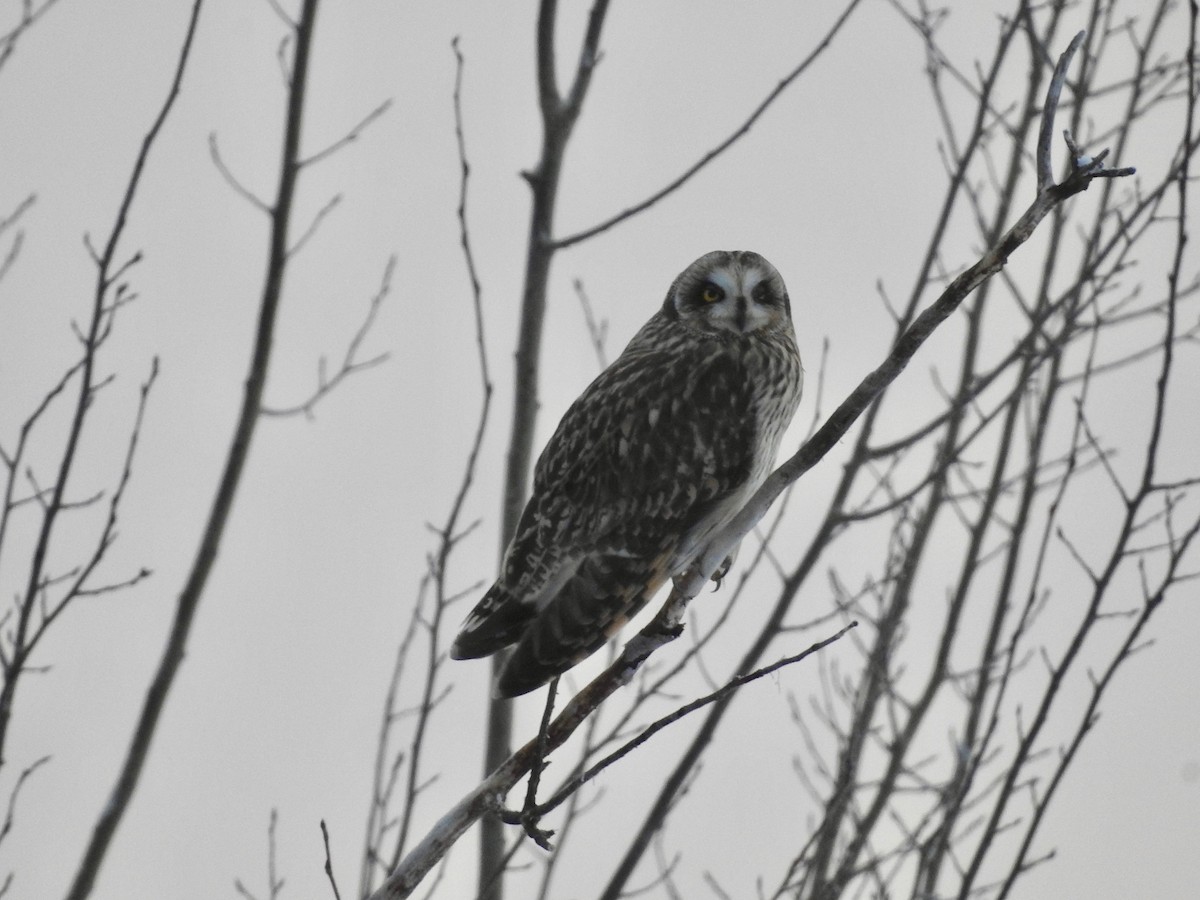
(739,317)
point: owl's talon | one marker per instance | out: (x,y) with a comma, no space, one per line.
(667,632)
(718,575)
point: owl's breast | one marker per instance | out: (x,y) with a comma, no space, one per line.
(771,389)
(776,378)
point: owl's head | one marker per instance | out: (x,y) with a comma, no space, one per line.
(729,290)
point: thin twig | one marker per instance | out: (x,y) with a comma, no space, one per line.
(10,812)
(330,205)
(329,862)
(449,534)
(214,153)
(98,328)
(741,131)
(350,364)
(658,725)
(350,137)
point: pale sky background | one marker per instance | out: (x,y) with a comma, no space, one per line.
(277,704)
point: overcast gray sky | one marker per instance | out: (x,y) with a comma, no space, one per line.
(278,702)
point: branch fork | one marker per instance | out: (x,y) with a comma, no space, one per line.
(1083,167)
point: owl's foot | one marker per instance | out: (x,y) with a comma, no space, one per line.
(718,575)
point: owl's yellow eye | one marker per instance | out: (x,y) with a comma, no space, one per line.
(710,293)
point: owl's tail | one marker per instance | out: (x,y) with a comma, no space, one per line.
(602,595)
(497,620)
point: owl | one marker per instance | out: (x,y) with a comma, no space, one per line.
(656,455)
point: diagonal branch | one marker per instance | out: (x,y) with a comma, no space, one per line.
(350,136)
(214,152)
(487,796)
(665,627)
(740,132)
(1083,170)
(671,718)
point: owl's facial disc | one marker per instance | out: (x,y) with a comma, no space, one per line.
(733,297)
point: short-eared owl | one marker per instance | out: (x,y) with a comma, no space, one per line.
(659,452)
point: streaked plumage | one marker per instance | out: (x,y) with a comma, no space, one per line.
(659,452)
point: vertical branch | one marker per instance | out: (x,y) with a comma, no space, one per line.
(449,534)
(189,598)
(558,119)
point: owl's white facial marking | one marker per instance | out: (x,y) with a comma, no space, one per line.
(735,292)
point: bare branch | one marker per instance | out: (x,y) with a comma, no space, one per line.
(558,119)
(10,813)
(349,137)
(329,862)
(330,205)
(741,131)
(215,153)
(30,14)
(435,581)
(488,795)
(108,532)
(282,14)
(189,598)
(14,249)
(1045,171)
(597,330)
(350,363)
(274,882)
(708,699)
